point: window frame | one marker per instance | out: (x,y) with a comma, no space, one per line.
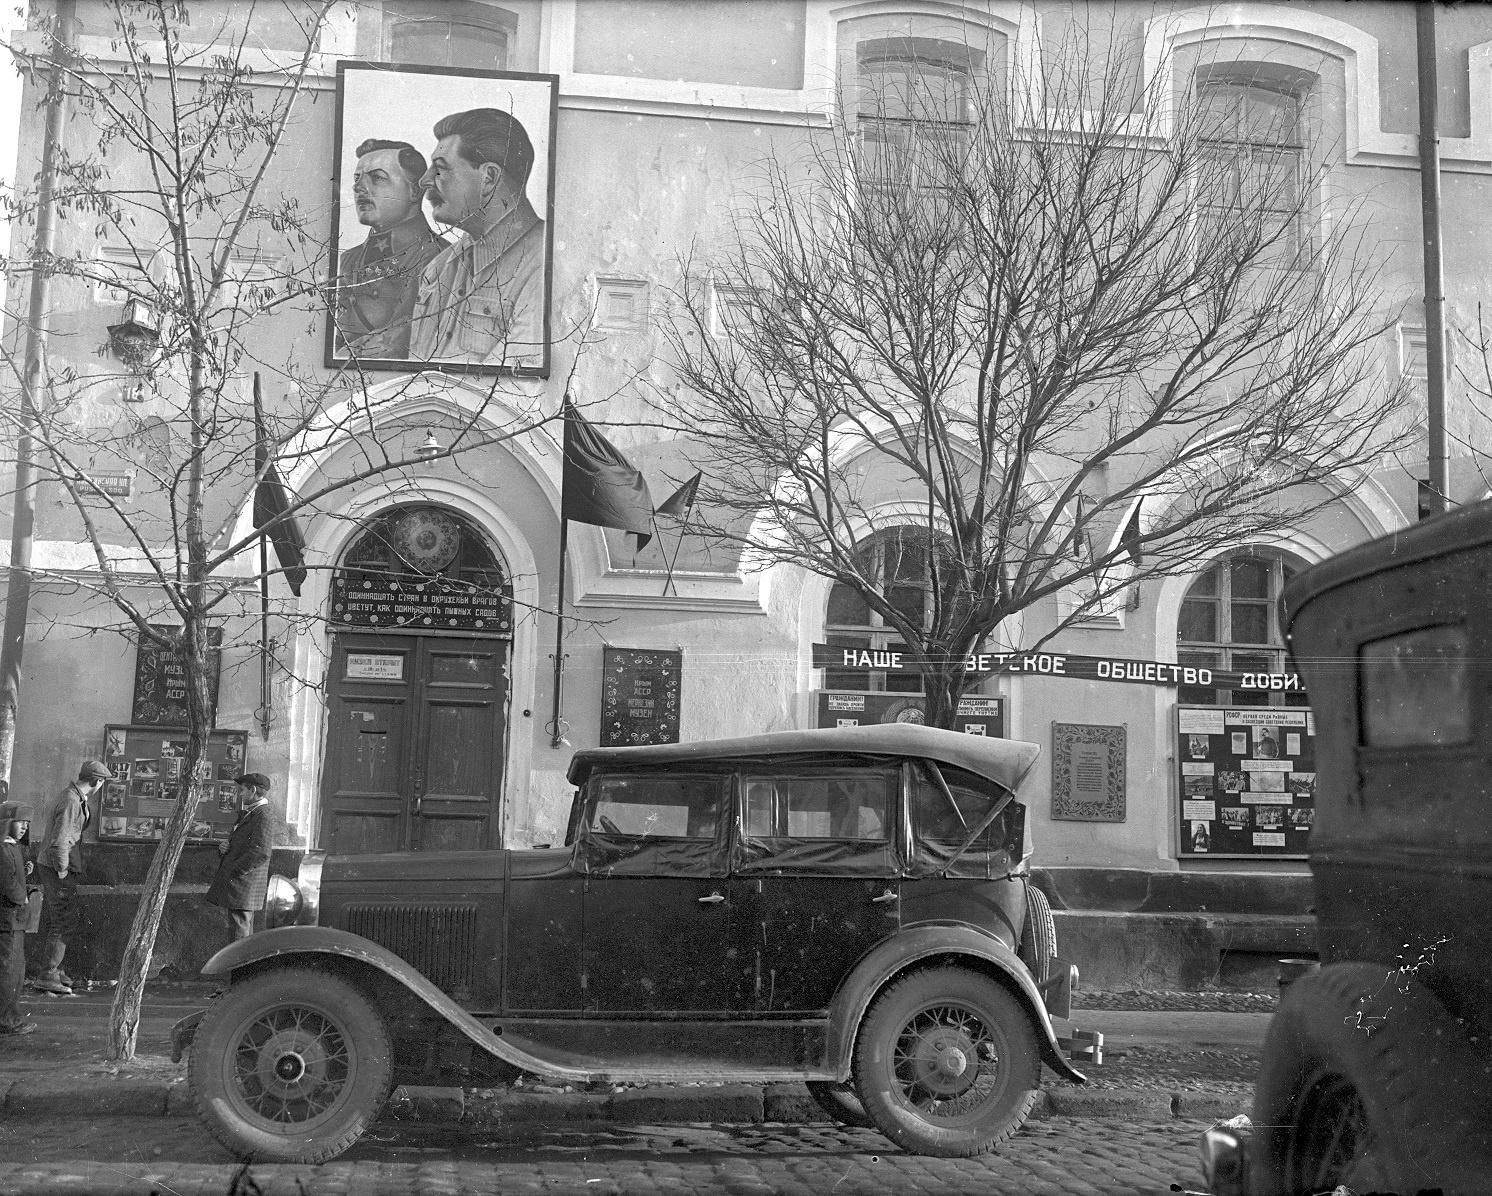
(1220,654)
(452,14)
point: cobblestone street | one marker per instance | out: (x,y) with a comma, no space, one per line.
(128,1155)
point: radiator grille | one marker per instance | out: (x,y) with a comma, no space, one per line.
(438,940)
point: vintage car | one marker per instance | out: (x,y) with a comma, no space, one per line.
(1377,1073)
(849,907)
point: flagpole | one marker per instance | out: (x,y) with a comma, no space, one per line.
(555,729)
(261,454)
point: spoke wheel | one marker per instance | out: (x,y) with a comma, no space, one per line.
(290,1066)
(1332,1141)
(947,1063)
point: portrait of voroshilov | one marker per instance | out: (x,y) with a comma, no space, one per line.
(441,235)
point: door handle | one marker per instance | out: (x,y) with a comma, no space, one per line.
(888,895)
(712,899)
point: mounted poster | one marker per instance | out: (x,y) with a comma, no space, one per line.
(442,219)
(160,680)
(640,696)
(977,715)
(1247,780)
(1088,769)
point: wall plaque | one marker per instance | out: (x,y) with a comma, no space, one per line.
(1088,773)
(640,696)
(160,680)
(370,599)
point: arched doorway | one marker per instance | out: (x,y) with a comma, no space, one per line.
(417,687)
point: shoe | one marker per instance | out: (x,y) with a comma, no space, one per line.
(66,979)
(55,987)
(23,1028)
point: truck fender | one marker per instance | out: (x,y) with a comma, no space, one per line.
(298,942)
(928,941)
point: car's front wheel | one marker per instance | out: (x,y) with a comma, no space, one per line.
(947,1063)
(291,1066)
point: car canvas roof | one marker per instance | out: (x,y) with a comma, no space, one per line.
(1004,761)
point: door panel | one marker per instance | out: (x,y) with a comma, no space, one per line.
(415,744)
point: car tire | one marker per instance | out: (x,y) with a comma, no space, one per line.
(1039,936)
(1366,1082)
(841,1102)
(290,1066)
(947,1063)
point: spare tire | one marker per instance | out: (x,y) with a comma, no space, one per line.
(1039,935)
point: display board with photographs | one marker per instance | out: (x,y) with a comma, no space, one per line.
(1247,780)
(148,763)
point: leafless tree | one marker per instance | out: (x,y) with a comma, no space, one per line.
(188,161)
(1059,331)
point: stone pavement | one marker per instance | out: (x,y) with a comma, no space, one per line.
(1158,1064)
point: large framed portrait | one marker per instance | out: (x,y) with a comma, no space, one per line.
(442,219)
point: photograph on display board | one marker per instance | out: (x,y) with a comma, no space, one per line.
(442,219)
(149,765)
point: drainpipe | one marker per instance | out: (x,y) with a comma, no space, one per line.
(1438,497)
(23,518)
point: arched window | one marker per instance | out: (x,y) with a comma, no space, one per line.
(899,561)
(448,33)
(422,567)
(1252,133)
(1230,622)
(910,92)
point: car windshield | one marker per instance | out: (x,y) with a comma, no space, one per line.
(945,813)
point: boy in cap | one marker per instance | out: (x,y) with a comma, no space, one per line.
(61,865)
(15,822)
(243,873)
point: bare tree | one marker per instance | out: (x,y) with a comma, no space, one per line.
(189,166)
(1059,332)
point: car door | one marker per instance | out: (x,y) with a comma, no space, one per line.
(656,908)
(815,881)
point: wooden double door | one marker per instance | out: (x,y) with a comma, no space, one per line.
(415,743)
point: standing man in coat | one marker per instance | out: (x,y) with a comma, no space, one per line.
(243,873)
(15,821)
(61,865)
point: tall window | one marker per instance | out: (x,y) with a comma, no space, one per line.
(448,33)
(910,94)
(1230,621)
(900,564)
(1252,135)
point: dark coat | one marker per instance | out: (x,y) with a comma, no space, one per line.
(243,874)
(12,888)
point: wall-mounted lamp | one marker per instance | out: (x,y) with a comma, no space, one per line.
(136,336)
(430,448)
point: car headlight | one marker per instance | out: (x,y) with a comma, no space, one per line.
(295,902)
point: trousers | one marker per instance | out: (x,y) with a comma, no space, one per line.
(62,915)
(12,977)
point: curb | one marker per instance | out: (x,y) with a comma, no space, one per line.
(725,1103)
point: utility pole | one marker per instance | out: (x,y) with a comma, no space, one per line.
(23,517)
(1438,497)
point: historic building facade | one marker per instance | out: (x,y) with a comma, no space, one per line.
(396,722)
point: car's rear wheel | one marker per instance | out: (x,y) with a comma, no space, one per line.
(947,1063)
(291,1066)
(1039,937)
(841,1102)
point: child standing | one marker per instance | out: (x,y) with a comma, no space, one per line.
(15,818)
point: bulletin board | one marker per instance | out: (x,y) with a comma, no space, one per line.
(640,691)
(147,764)
(977,715)
(1247,780)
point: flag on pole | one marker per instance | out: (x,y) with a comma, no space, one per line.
(681,501)
(600,485)
(271,501)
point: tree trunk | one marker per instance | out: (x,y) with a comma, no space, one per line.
(124,1016)
(943,690)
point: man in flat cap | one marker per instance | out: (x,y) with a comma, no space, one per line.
(243,873)
(61,865)
(15,822)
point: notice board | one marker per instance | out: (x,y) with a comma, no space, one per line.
(640,690)
(160,679)
(1247,780)
(977,715)
(147,764)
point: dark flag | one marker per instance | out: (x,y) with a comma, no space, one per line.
(271,501)
(1129,538)
(681,501)
(600,485)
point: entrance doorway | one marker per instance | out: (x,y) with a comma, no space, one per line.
(417,689)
